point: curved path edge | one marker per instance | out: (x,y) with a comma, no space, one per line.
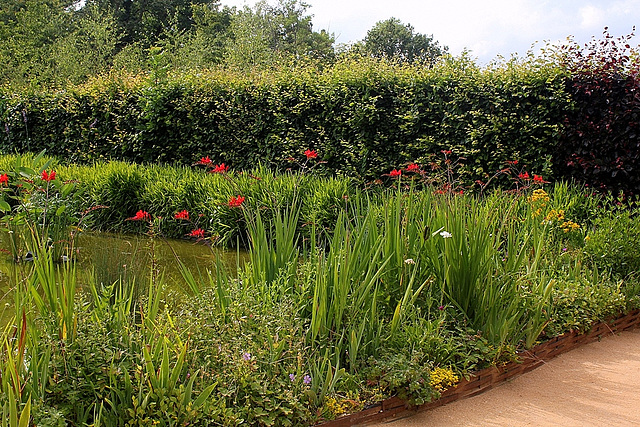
(486,379)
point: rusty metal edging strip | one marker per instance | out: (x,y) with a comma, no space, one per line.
(481,381)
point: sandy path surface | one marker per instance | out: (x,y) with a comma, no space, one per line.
(595,385)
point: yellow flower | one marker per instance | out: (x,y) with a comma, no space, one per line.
(568,226)
(539,195)
(441,379)
(554,215)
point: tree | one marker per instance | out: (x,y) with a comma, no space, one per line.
(266,33)
(88,49)
(143,21)
(28,30)
(203,45)
(391,39)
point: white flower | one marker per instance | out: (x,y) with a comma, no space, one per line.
(409,261)
(445,234)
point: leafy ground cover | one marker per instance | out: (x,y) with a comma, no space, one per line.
(350,294)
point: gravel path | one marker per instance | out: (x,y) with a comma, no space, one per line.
(595,385)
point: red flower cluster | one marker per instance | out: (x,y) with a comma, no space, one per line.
(198,232)
(446,152)
(536,178)
(141,216)
(395,173)
(48,176)
(311,154)
(182,215)
(204,161)
(413,167)
(235,202)
(221,168)
(4,179)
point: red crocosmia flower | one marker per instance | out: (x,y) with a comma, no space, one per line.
(182,215)
(198,232)
(221,168)
(523,175)
(48,176)
(204,161)
(311,154)
(141,216)
(395,173)
(4,179)
(413,167)
(446,152)
(236,202)
(537,178)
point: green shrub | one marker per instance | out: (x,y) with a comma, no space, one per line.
(600,141)
(577,304)
(613,243)
(364,117)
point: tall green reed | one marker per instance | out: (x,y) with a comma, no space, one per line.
(346,288)
(486,258)
(273,252)
(52,288)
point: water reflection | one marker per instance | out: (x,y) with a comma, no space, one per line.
(112,257)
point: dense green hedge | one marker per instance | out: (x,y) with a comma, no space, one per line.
(364,118)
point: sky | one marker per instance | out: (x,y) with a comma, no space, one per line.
(487,29)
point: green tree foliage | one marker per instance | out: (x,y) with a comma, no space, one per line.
(28,30)
(88,49)
(200,47)
(144,21)
(50,43)
(210,31)
(268,33)
(391,39)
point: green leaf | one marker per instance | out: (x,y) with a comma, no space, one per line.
(4,206)
(26,172)
(204,395)
(38,157)
(59,211)
(25,415)
(67,189)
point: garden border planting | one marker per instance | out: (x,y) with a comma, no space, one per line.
(490,377)
(382,299)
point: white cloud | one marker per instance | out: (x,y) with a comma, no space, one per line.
(591,16)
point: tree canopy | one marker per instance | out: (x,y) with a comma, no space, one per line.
(391,39)
(51,43)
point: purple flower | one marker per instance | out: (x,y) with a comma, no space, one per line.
(292,377)
(441,308)
(564,249)
(306,379)
(246,356)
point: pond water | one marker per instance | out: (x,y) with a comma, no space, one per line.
(112,257)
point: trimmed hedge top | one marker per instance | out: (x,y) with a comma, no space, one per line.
(364,118)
